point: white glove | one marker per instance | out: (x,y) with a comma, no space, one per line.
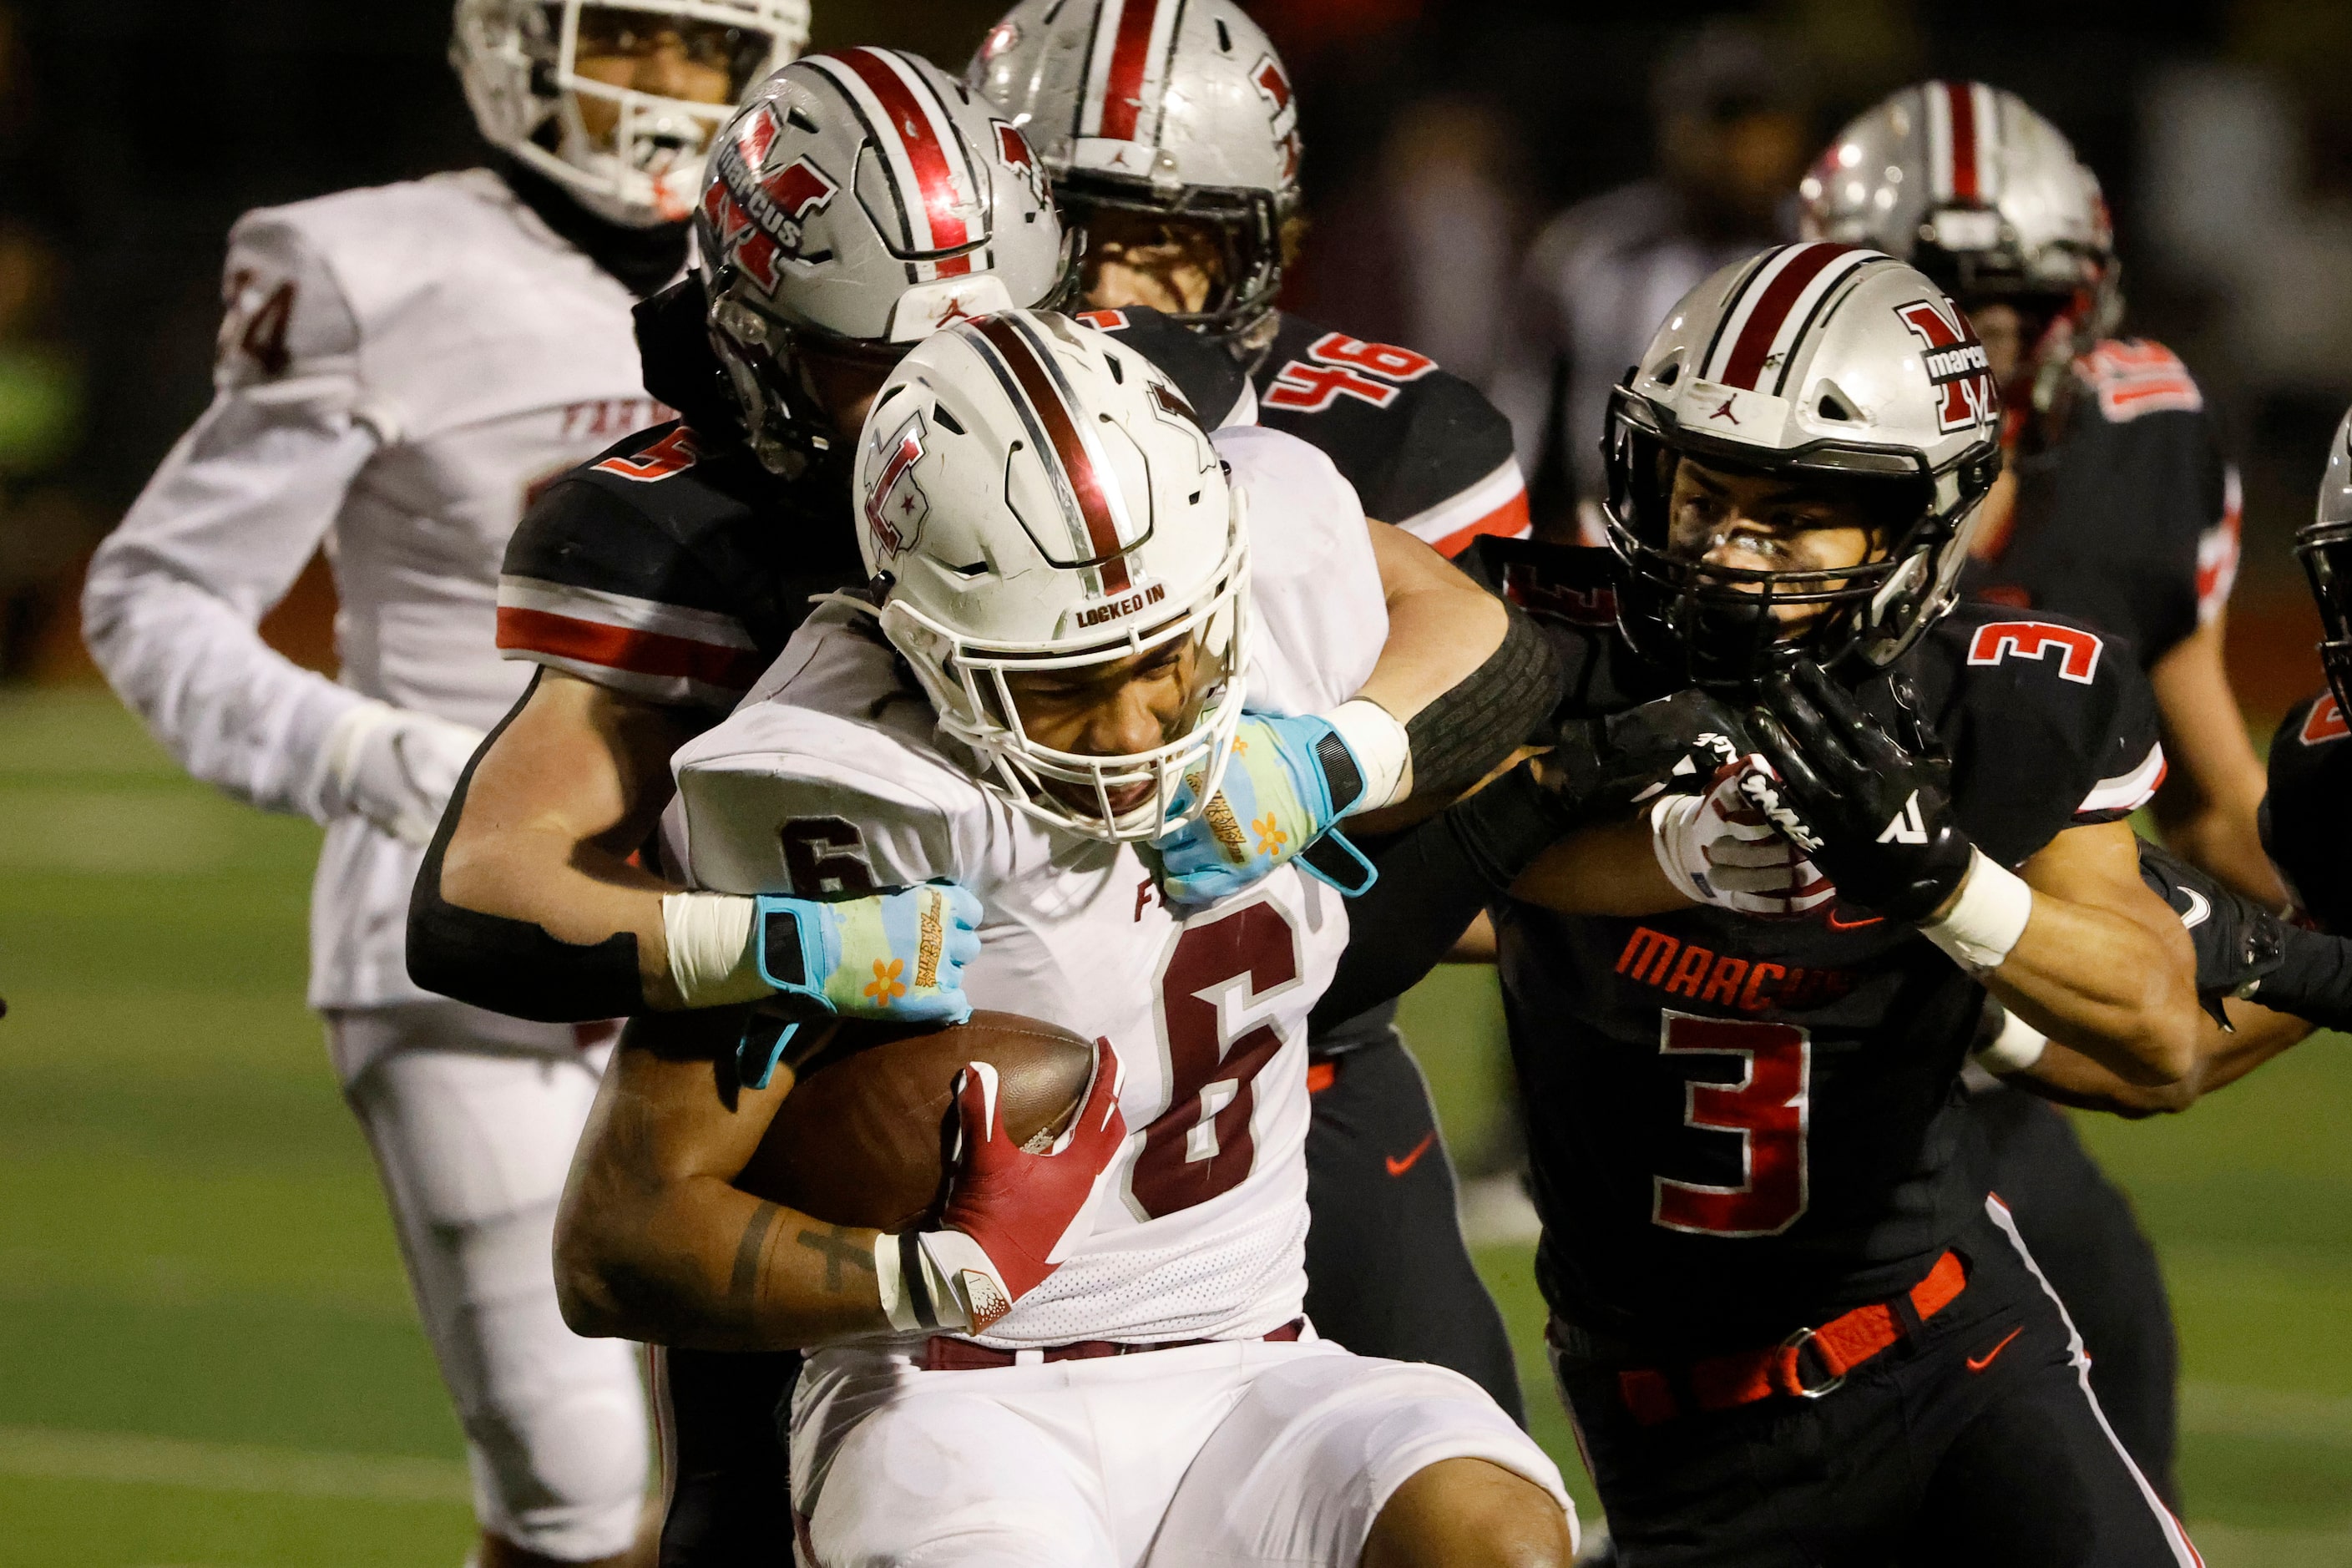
(394,766)
(1721,848)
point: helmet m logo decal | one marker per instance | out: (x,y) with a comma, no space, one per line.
(758,216)
(1014,150)
(896,506)
(1956,365)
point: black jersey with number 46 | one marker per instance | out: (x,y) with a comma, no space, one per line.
(1738,1125)
(1425,449)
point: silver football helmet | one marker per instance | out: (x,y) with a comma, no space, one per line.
(2324,545)
(627,155)
(859,201)
(1174,109)
(1813,361)
(1971,187)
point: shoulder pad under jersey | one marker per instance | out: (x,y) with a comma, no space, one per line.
(670,574)
(2128,377)
(1423,448)
(2048,724)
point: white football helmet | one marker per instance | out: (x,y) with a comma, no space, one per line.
(862,199)
(1972,187)
(516,60)
(1036,497)
(1815,362)
(1176,108)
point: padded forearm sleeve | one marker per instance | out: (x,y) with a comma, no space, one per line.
(1434,882)
(509,965)
(1464,735)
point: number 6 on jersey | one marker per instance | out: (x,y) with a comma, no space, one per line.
(1201,1145)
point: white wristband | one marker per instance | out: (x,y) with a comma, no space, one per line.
(709,936)
(935,1280)
(1993,907)
(889,1279)
(2018,1047)
(1381,749)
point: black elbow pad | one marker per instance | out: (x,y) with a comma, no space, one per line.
(507,965)
(1464,735)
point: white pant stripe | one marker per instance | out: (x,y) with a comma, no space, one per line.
(2183,1552)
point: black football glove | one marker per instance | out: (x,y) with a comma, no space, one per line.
(2239,943)
(1597,769)
(1673,745)
(1878,810)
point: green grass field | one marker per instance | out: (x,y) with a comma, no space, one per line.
(207,1354)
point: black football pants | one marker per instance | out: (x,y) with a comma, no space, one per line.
(1387,1272)
(723,1417)
(1388,1276)
(2082,1231)
(1979,1443)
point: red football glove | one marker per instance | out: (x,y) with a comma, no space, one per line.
(1009,1210)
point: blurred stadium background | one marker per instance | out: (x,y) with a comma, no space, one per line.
(207,1353)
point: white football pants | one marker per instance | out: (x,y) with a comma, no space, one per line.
(473,1118)
(1243,1454)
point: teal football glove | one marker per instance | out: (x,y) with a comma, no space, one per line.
(897,957)
(1289,780)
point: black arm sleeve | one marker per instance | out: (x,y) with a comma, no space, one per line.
(1434,882)
(1466,733)
(511,966)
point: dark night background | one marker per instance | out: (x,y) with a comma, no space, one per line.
(135,132)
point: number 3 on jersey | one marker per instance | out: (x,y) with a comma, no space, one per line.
(1766,1110)
(1201,1145)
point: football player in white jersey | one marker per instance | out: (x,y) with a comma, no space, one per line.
(1067,617)
(399,368)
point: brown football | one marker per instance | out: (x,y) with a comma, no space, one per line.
(860,1140)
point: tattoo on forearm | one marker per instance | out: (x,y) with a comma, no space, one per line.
(747,1252)
(837,1251)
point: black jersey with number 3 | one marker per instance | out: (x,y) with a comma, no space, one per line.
(1739,1125)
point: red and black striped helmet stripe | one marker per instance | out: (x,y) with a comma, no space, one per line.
(933,183)
(1962,124)
(1126,66)
(1090,497)
(1767,313)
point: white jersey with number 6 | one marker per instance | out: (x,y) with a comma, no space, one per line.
(830,777)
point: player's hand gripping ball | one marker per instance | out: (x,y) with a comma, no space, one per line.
(1018,1211)
(896,956)
(1288,781)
